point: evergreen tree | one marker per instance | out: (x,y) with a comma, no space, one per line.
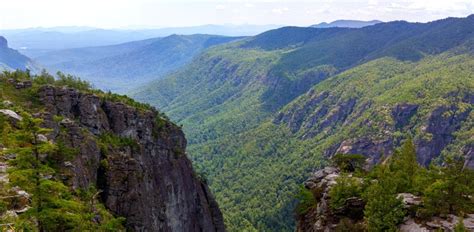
(55,207)
(451,190)
(404,167)
(383,211)
(28,146)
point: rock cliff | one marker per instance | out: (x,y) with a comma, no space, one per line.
(436,128)
(11,59)
(136,158)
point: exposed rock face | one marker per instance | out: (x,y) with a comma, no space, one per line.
(402,113)
(320,114)
(373,149)
(151,184)
(443,122)
(323,217)
(11,59)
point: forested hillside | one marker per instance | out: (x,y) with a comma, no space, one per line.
(262,113)
(125,66)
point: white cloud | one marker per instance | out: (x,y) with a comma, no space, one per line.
(280,10)
(123,13)
(220,7)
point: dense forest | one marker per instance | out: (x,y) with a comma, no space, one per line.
(262,113)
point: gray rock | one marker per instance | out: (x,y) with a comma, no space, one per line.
(409,200)
(411,226)
(153,184)
(402,113)
(11,114)
(42,138)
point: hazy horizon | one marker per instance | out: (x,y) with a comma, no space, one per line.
(153,14)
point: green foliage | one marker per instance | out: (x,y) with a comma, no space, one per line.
(114,141)
(450,190)
(346,225)
(72,82)
(54,206)
(231,98)
(460,226)
(383,211)
(348,162)
(38,166)
(235,140)
(404,167)
(345,188)
(306,201)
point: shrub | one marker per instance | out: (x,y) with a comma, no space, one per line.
(345,188)
(346,225)
(306,201)
(348,162)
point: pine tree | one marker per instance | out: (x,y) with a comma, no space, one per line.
(451,190)
(383,211)
(404,167)
(28,166)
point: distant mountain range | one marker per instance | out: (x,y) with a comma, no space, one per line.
(37,41)
(125,66)
(347,23)
(11,59)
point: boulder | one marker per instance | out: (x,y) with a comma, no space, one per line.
(411,226)
(12,115)
(409,200)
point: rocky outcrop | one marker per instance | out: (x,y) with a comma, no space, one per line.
(441,125)
(402,114)
(437,224)
(373,149)
(323,217)
(11,59)
(321,114)
(149,180)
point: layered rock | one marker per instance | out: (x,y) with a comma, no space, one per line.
(150,181)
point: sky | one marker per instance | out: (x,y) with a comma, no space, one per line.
(177,13)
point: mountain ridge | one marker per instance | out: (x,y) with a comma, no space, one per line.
(11,59)
(347,23)
(125,66)
(233,103)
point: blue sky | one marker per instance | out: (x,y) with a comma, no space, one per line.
(169,13)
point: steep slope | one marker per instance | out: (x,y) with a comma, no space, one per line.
(347,23)
(11,59)
(125,66)
(263,112)
(366,110)
(130,153)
